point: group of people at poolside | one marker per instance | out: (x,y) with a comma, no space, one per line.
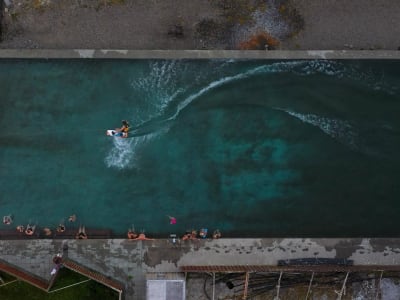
(30,229)
(194,234)
(189,235)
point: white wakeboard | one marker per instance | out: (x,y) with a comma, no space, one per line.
(111,132)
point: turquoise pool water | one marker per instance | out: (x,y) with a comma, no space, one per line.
(254,148)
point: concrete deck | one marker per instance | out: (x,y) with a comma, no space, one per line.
(195,54)
(128,261)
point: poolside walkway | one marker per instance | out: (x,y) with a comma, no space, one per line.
(151,24)
(128,261)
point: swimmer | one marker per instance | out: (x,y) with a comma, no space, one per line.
(20,228)
(72,218)
(187,236)
(172,220)
(7,220)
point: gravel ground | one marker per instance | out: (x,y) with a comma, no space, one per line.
(344,24)
(89,24)
(201,24)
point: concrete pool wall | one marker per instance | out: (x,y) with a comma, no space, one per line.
(128,261)
(195,54)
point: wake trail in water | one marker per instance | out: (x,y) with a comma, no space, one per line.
(123,154)
(340,130)
(168,81)
(273,68)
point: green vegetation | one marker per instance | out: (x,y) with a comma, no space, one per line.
(85,291)
(67,277)
(6,278)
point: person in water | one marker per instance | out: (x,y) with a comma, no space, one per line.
(72,218)
(123,131)
(7,220)
(172,220)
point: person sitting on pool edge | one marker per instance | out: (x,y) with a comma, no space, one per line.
(81,235)
(47,231)
(203,233)
(142,237)
(132,234)
(60,228)
(30,230)
(123,131)
(216,234)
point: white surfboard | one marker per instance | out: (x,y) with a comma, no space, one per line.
(111,132)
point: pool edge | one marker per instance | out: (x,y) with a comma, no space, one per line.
(195,54)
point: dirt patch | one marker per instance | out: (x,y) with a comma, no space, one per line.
(199,24)
(140,24)
(260,41)
(213,33)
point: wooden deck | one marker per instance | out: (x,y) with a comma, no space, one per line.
(46,285)
(76,267)
(24,276)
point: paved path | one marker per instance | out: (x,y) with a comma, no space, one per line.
(129,261)
(146,24)
(195,54)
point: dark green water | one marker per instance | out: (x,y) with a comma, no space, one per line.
(254,148)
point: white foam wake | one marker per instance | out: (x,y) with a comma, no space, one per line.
(124,152)
(340,130)
(162,87)
(348,71)
(271,68)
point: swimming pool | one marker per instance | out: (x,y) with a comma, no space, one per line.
(254,148)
